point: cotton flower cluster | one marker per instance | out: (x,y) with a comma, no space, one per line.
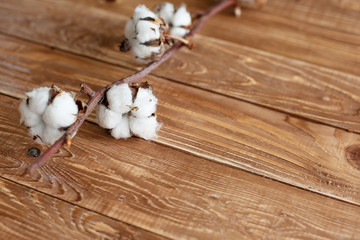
(179,20)
(129,110)
(47,112)
(147,33)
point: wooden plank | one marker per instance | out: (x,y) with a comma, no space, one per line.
(339,15)
(292,150)
(29,214)
(169,192)
(280,83)
(282,29)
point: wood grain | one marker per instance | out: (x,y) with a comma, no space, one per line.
(290,86)
(169,192)
(339,15)
(29,214)
(285,148)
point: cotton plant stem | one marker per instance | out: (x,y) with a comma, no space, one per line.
(95,97)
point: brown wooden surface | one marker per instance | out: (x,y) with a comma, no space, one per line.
(171,193)
(218,128)
(319,94)
(268,95)
(30,214)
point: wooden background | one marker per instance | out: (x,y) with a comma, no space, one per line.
(260,136)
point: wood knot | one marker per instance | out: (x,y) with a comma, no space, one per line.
(352,154)
(33,152)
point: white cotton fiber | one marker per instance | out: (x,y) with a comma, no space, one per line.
(45,120)
(61,112)
(50,135)
(122,129)
(182,17)
(107,118)
(179,31)
(165,11)
(147,31)
(141,11)
(38,99)
(179,20)
(145,103)
(36,132)
(143,31)
(27,116)
(130,32)
(119,98)
(145,128)
(142,53)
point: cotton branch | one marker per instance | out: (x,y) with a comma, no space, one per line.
(95,97)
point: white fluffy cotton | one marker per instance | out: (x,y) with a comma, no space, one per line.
(119,98)
(61,112)
(180,22)
(34,106)
(107,118)
(179,19)
(142,53)
(50,134)
(130,32)
(147,31)
(122,129)
(141,11)
(38,99)
(27,116)
(165,11)
(137,118)
(144,104)
(45,120)
(179,31)
(144,33)
(36,132)
(144,127)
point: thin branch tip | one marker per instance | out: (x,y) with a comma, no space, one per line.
(87,90)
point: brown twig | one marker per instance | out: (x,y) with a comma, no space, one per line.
(95,97)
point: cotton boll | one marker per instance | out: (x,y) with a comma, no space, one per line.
(36,132)
(179,31)
(141,11)
(38,99)
(144,104)
(130,32)
(119,98)
(145,128)
(144,35)
(107,118)
(144,53)
(122,129)
(61,112)
(165,11)
(27,116)
(182,17)
(147,31)
(50,135)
